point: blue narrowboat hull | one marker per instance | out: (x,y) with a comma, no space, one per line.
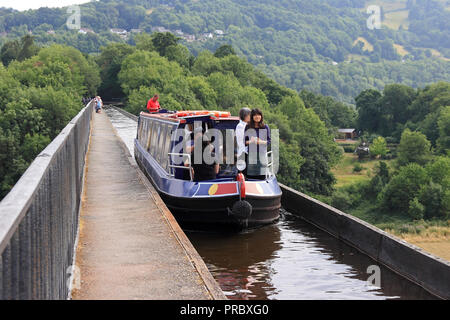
(208,204)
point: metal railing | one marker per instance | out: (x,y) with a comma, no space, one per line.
(171,166)
(39,218)
(269,172)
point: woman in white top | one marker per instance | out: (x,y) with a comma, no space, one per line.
(242,151)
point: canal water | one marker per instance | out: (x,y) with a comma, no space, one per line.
(289,260)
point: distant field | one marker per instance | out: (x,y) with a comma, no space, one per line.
(435,240)
(394,20)
(388,5)
(344,170)
(437,54)
(395,13)
(367,45)
(400,50)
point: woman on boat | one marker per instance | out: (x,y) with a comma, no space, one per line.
(257,138)
(244,116)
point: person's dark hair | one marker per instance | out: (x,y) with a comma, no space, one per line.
(244,113)
(252,122)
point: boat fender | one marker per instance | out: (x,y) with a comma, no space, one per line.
(242,210)
(241,180)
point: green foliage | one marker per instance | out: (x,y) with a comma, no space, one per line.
(143,68)
(203,91)
(341,200)
(416,209)
(224,51)
(349,149)
(38,97)
(357,168)
(18,50)
(403,187)
(399,107)
(413,148)
(430,196)
(110,63)
(333,113)
(439,171)
(379,147)
(296,42)
(443,141)
(59,67)
(369,111)
(163,41)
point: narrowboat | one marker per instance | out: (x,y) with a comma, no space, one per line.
(228,201)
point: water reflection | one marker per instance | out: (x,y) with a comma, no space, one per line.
(293,260)
(126,128)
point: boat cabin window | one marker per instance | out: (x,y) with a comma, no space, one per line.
(154,139)
(149,125)
(166,148)
(162,137)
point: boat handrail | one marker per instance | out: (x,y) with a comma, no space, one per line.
(171,166)
(269,173)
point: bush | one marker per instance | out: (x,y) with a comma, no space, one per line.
(431,197)
(349,149)
(357,168)
(379,147)
(341,200)
(403,188)
(416,209)
(413,148)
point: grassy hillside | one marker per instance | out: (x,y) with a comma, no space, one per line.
(302,44)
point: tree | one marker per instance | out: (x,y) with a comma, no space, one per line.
(416,209)
(394,106)
(379,147)
(431,196)
(10,51)
(143,68)
(180,54)
(110,63)
(369,111)
(443,141)
(439,171)
(203,91)
(162,41)
(28,48)
(413,148)
(38,97)
(224,50)
(403,187)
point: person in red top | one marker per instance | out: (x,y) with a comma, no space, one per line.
(153,104)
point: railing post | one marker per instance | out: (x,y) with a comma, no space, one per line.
(6,272)
(15,263)
(25,259)
(1,278)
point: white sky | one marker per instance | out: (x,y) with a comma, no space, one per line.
(36,4)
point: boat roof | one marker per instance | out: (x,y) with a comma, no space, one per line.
(191,116)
